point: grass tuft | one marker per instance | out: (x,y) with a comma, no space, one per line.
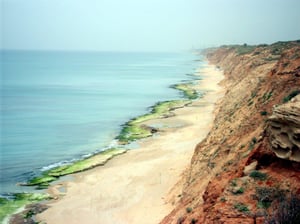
(290,96)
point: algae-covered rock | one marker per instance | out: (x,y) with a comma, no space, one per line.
(42,180)
(10,205)
(88,163)
(136,129)
(188,91)
(96,160)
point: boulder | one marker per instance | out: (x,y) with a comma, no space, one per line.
(251,167)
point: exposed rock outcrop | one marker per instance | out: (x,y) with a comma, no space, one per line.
(284,130)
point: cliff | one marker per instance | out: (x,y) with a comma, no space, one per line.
(246,170)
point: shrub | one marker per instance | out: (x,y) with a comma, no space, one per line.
(255,174)
(263,113)
(239,191)
(291,95)
(241,207)
(288,211)
(223,199)
(250,103)
(275,51)
(267,195)
(267,96)
(244,49)
(253,94)
(252,143)
(189,209)
(233,183)
(264,204)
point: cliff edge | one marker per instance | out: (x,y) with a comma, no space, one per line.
(247,169)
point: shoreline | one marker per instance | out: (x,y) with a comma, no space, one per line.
(128,186)
(133,130)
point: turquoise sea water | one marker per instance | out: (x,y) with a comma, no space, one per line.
(60,106)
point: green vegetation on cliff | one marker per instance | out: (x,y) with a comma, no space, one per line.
(275,49)
(290,96)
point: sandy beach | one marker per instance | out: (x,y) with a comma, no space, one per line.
(138,187)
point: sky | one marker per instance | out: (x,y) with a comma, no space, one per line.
(145,25)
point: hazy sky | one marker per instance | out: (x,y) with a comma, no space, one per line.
(145,25)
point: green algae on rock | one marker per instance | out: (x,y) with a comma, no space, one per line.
(136,129)
(78,166)
(88,163)
(17,201)
(43,180)
(188,91)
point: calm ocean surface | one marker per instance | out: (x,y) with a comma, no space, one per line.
(59,106)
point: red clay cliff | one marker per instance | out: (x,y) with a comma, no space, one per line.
(247,169)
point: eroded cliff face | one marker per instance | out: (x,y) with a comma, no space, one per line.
(234,176)
(284,130)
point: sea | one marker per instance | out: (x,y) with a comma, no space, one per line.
(57,107)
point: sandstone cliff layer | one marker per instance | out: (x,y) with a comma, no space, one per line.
(247,165)
(284,130)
